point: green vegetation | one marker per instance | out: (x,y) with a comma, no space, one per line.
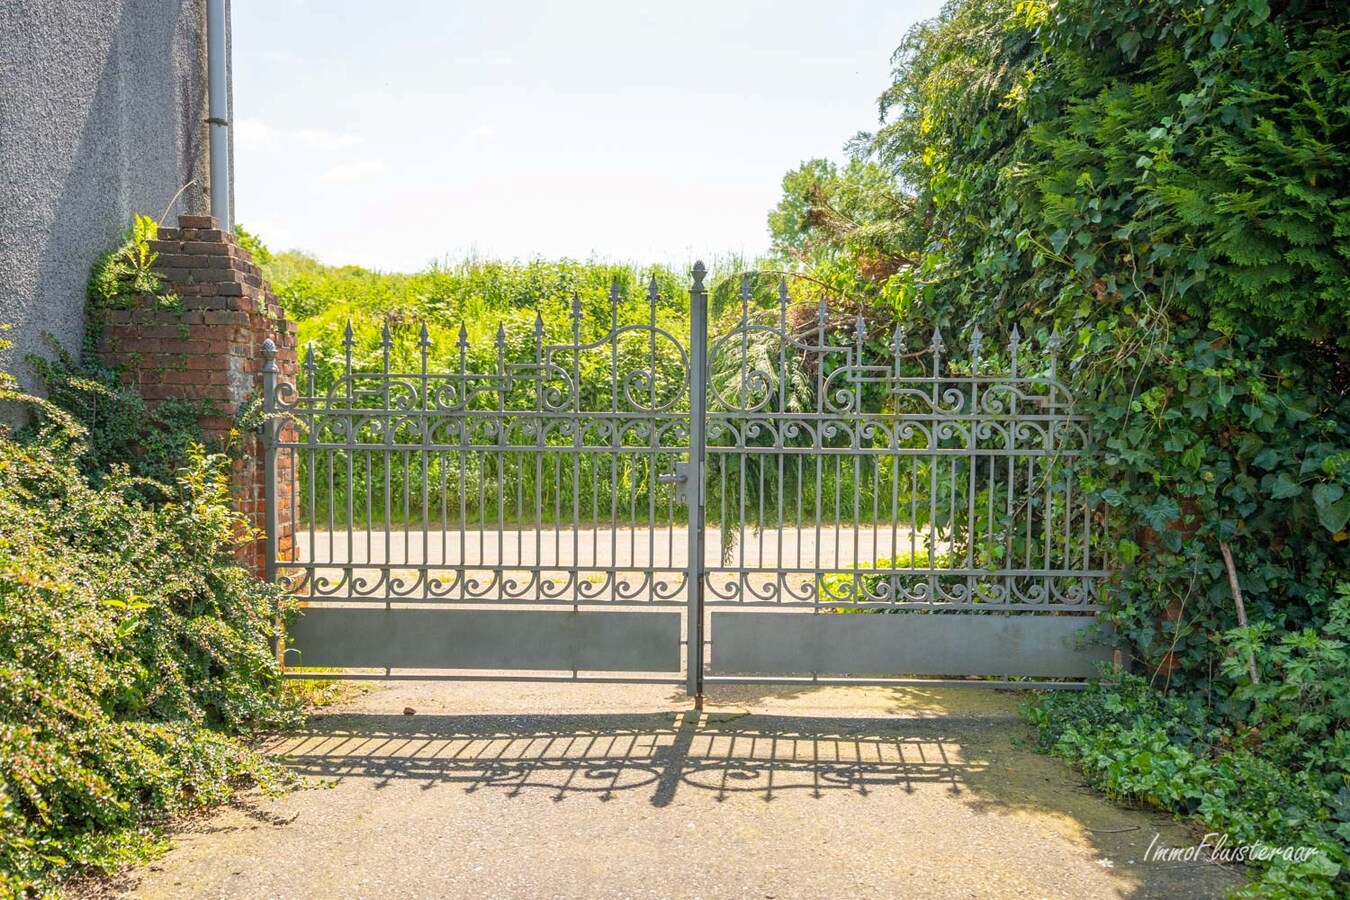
(134,651)
(1165,184)
(864,583)
(125,273)
(1137,744)
(120,432)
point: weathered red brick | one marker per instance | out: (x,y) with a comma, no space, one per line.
(206,248)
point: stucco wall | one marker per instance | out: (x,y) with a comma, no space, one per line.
(102,115)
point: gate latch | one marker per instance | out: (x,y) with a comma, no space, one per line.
(679,478)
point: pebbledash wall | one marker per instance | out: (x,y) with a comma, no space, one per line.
(210,347)
(102,115)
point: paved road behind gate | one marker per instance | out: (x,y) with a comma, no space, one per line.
(519,790)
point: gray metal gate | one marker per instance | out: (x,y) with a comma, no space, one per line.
(846,505)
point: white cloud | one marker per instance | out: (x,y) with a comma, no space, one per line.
(253,133)
(499,61)
(358,168)
(325,140)
(481,133)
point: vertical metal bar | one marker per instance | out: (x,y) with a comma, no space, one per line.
(463,433)
(654,458)
(331,502)
(780,587)
(499,555)
(972,460)
(801,489)
(698,385)
(370,507)
(578,442)
(616,436)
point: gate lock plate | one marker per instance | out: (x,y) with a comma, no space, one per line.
(679,478)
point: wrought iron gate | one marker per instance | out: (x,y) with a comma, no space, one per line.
(805,496)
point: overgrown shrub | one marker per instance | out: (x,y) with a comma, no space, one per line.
(133,649)
(1168,183)
(1135,743)
(121,430)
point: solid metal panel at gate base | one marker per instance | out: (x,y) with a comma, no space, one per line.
(540,640)
(837,463)
(912,644)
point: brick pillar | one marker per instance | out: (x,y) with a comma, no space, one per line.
(210,349)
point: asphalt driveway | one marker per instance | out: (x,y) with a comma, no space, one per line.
(530,790)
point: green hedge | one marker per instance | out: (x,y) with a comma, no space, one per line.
(133,653)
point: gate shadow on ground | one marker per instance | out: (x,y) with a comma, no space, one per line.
(660,753)
(724,756)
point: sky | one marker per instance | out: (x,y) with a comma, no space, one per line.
(392,134)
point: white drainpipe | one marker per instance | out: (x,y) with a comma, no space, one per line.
(218,112)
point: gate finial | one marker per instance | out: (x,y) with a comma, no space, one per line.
(700,272)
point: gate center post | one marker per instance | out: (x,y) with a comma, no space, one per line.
(698,386)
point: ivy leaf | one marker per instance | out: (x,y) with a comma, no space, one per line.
(1161,514)
(1327,494)
(1284,487)
(1334,516)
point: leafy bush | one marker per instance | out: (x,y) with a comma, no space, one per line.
(1299,711)
(122,429)
(132,648)
(1166,183)
(1134,743)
